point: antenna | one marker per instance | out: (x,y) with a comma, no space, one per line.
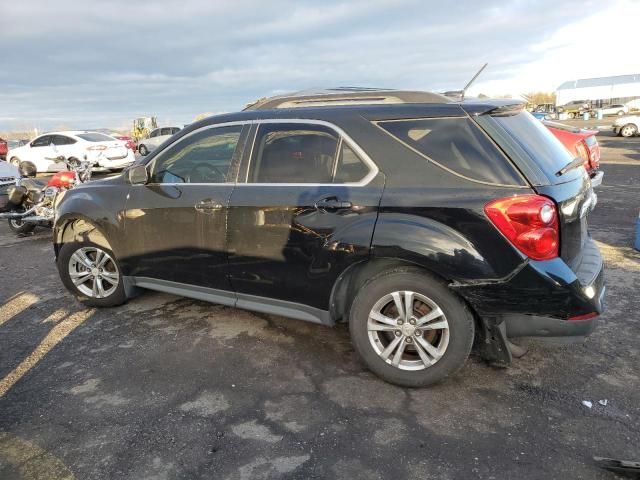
(464,90)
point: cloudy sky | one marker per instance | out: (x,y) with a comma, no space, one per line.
(93,63)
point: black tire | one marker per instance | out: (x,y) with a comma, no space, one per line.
(628,130)
(20,228)
(117,297)
(143,150)
(15,161)
(459,318)
(571,115)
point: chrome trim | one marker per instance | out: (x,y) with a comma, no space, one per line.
(596,181)
(373,168)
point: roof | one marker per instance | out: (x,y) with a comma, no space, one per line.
(600,81)
(346,96)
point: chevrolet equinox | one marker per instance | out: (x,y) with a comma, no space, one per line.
(426,224)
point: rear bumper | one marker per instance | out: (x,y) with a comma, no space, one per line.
(534,326)
(540,298)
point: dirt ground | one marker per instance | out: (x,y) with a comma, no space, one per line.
(165,387)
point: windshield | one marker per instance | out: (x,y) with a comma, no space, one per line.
(95,137)
(539,144)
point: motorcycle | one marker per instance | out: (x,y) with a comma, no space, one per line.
(31,202)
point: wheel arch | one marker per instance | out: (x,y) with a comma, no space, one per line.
(351,280)
(77,227)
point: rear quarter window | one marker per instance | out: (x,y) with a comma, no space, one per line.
(457,145)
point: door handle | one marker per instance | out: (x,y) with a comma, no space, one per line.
(332,203)
(208,206)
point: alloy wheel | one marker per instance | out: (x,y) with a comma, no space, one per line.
(93,272)
(408,330)
(628,131)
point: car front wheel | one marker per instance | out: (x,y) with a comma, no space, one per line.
(629,130)
(91,273)
(409,329)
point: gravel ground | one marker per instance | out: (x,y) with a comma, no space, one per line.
(165,387)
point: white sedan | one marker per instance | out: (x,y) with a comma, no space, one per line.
(627,126)
(618,109)
(105,152)
(155,138)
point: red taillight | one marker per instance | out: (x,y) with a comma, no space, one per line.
(586,316)
(62,180)
(530,223)
(583,151)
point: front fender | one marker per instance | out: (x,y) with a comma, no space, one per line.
(441,249)
(101,207)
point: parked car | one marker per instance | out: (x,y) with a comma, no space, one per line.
(627,126)
(423,222)
(574,108)
(541,115)
(582,143)
(3,149)
(155,138)
(617,109)
(16,143)
(104,151)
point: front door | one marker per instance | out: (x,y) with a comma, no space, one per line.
(177,222)
(304,212)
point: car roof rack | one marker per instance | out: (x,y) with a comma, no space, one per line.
(345,96)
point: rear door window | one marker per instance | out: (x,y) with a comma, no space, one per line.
(457,145)
(303,153)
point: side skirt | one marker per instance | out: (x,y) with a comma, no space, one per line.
(236,300)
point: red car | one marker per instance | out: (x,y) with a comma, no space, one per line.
(583,144)
(3,149)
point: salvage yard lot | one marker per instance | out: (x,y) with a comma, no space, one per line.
(165,387)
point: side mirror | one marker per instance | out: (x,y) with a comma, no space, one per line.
(138,175)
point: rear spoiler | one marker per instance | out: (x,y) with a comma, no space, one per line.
(495,108)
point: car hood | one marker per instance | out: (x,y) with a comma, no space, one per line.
(7,170)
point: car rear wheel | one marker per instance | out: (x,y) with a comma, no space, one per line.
(409,329)
(629,130)
(571,115)
(143,150)
(91,273)
(620,113)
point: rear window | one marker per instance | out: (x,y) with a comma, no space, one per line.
(95,137)
(458,145)
(536,140)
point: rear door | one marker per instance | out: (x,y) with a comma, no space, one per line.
(303,211)
(177,222)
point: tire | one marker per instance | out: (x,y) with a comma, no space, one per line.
(450,345)
(20,228)
(15,161)
(77,257)
(628,130)
(143,150)
(620,113)
(571,115)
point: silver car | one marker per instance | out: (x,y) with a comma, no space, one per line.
(155,138)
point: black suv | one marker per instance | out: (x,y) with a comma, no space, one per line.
(424,223)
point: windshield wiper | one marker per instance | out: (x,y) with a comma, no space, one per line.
(576,162)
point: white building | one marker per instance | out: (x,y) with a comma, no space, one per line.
(601,91)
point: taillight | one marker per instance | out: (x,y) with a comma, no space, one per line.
(583,151)
(530,223)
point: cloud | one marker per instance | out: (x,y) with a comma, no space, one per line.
(90,64)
